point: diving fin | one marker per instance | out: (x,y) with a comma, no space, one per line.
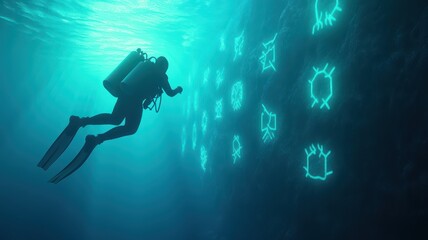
(77,162)
(60,144)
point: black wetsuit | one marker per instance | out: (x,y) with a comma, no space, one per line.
(129,108)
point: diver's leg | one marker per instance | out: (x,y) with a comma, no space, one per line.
(114,118)
(132,122)
(130,127)
(101,119)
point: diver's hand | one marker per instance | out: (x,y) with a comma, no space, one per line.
(179,90)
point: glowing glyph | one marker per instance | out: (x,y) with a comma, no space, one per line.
(313,155)
(206,76)
(239,43)
(222,44)
(194,136)
(219,109)
(219,78)
(204,122)
(268,57)
(236,146)
(322,77)
(237,95)
(204,158)
(325,15)
(268,124)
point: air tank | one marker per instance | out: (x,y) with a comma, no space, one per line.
(141,81)
(112,82)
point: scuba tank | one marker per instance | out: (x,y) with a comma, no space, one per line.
(141,81)
(136,76)
(112,82)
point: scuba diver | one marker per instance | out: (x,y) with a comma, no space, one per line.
(138,83)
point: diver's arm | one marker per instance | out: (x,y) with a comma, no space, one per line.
(167,88)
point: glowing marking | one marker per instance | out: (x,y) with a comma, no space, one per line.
(312,151)
(239,43)
(236,145)
(326,76)
(206,75)
(195,101)
(219,109)
(327,19)
(183,140)
(219,78)
(268,57)
(222,45)
(237,95)
(204,122)
(268,127)
(194,136)
(204,158)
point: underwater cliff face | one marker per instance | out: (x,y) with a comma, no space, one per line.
(375,129)
(298,120)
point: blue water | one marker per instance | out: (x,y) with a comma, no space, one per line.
(175,178)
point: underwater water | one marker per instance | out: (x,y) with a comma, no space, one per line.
(299,119)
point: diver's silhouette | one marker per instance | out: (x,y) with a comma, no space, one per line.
(137,83)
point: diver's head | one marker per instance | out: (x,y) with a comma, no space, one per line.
(162,64)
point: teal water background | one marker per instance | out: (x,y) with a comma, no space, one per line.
(55,55)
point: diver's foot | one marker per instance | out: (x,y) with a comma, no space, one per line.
(93,140)
(75,121)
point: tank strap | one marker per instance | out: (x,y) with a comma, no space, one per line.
(145,56)
(150,59)
(156,102)
(158,97)
(157,107)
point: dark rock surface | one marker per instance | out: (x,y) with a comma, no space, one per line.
(377,128)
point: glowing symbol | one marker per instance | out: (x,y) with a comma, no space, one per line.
(267,59)
(236,145)
(326,76)
(183,140)
(312,151)
(237,93)
(195,101)
(204,122)
(239,43)
(204,158)
(194,136)
(268,128)
(219,78)
(222,45)
(328,17)
(219,109)
(206,76)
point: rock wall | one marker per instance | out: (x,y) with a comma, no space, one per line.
(376,128)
